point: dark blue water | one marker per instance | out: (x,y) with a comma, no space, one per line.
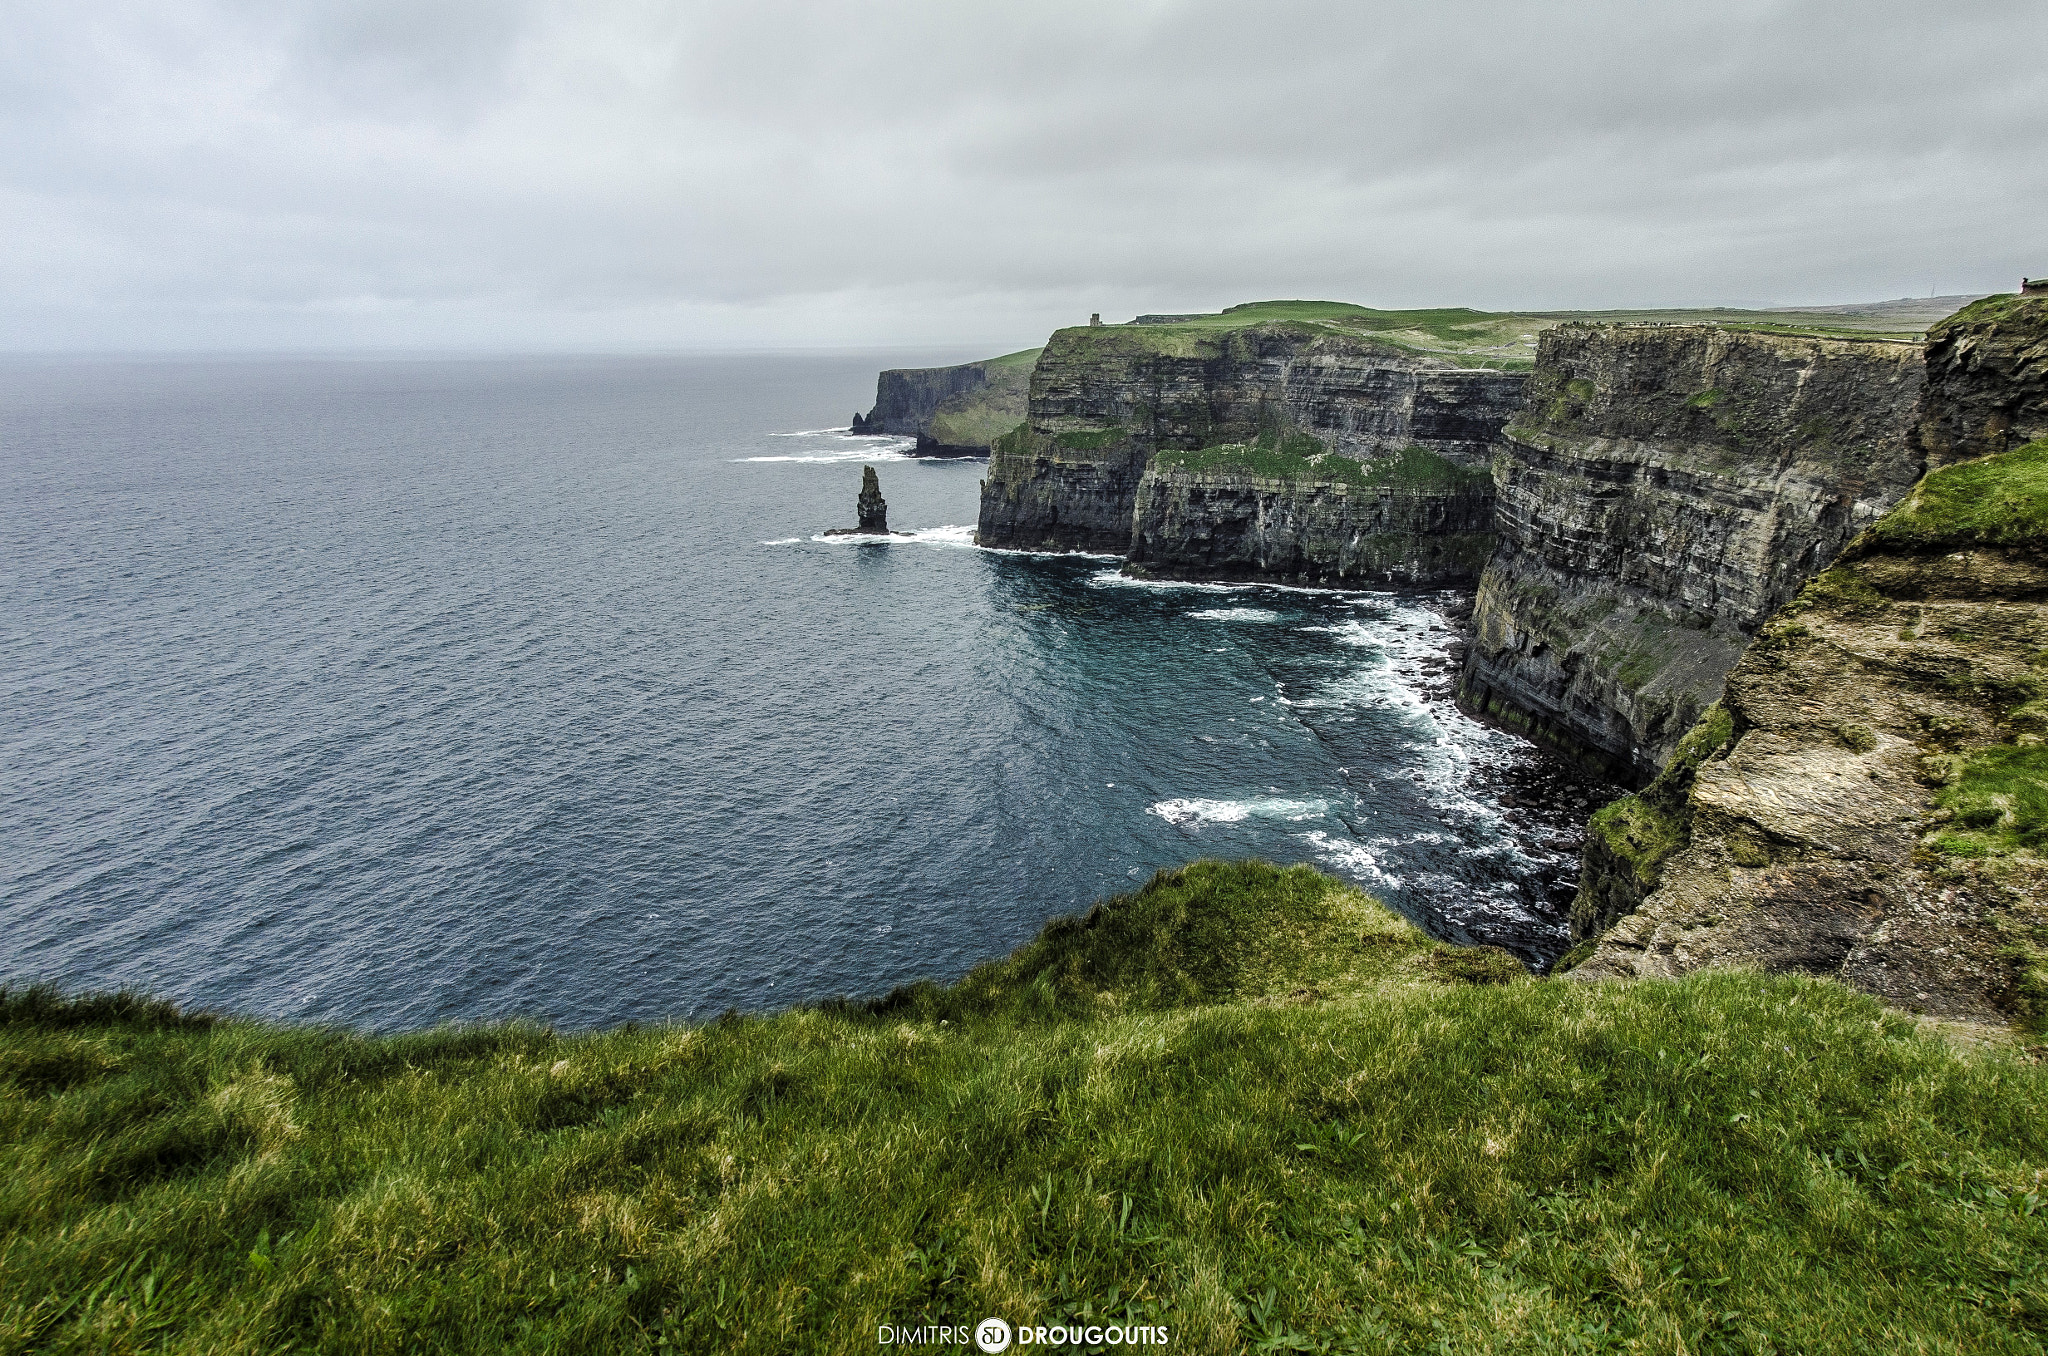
(393,692)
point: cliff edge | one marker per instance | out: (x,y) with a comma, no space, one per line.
(951,411)
(1871,799)
(1659,493)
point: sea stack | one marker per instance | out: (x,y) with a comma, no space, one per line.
(873,509)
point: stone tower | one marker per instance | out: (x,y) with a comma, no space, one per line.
(873,509)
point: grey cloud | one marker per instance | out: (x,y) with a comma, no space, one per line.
(541,173)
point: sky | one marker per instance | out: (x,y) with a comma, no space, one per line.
(625,175)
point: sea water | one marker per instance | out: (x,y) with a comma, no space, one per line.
(391,692)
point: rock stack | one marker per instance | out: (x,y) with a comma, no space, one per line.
(873,509)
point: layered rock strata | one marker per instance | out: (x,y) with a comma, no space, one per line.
(1661,490)
(1870,800)
(1233,522)
(1987,379)
(871,509)
(1876,804)
(1106,400)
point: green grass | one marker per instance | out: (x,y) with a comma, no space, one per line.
(1295,457)
(1498,339)
(1997,801)
(1091,440)
(1998,308)
(1026,358)
(1999,500)
(1243,1103)
(1644,829)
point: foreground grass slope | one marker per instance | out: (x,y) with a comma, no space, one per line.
(1245,1103)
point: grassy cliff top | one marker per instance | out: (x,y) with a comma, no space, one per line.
(1023,358)
(1301,458)
(2024,310)
(1999,501)
(1508,339)
(1245,1104)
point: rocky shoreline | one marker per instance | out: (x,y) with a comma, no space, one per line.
(1667,529)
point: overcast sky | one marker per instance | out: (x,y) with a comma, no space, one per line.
(622,174)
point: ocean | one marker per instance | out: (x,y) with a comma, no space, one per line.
(389,692)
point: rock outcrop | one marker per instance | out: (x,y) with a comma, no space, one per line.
(1660,492)
(1870,800)
(1105,401)
(1877,808)
(951,411)
(872,508)
(1987,380)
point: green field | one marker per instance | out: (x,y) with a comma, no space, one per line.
(1508,339)
(1244,1104)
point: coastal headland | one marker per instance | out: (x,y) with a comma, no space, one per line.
(1785,574)
(1244,1105)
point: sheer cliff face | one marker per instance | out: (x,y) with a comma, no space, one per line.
(1105,399)
(1877,811)
(1226,523)
(1660,492)
(1873,805)
(1987,378)
(906,398)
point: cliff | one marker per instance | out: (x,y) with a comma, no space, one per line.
(1661,490)
(1313,518)
(1871,799)
(1105,401)
(1877,804)
(1987,378)
(952,411)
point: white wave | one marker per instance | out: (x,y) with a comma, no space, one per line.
(1050,555)
(1202,811)
(783,541)
(950,534)
(1115,579)
(1398,674)
(1236,614)
(1350,632)
(1348,854)
(900,452)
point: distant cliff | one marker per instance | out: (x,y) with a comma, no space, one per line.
(1120,415)
(1661,491)
(952,411)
